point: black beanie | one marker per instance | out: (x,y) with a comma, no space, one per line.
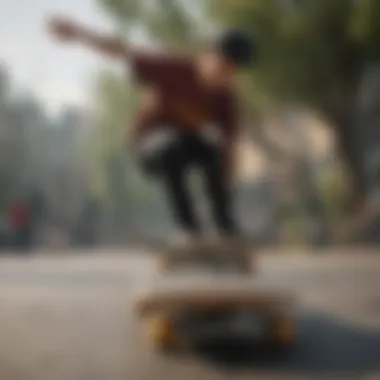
(238,47)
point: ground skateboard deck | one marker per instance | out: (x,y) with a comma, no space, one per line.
(224,255)
(182,318)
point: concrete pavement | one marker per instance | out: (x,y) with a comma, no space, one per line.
(69,316)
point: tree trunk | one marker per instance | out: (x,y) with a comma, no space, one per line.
(350,147)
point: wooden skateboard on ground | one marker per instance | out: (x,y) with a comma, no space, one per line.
(224,256)
(192,311)
(181,318)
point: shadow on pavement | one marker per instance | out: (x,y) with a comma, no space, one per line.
(326,345)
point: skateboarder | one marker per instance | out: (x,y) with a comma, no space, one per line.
(190,118)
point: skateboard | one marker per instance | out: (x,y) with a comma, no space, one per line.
(184,318)
(221,256)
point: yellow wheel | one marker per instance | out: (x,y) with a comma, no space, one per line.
(284,330)
(162,333)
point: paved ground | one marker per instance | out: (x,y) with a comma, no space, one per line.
(69,317)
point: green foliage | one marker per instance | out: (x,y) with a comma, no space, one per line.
(168,21)
(124,12)
(310,51)
(116,102)
(332,187)
(116,179)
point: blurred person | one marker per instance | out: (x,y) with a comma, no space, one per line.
(190,117)
(20,223)
(5,231)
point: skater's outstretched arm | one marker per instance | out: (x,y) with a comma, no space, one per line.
(156,69)
(68,31)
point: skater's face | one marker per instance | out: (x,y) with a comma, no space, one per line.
(214,68)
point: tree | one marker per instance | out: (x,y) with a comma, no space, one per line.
(117,182)
(174,22)
(310,52)
(314,53)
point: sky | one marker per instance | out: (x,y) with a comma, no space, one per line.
(58,75)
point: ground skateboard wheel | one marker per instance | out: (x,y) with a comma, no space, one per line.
(179,318)
(284,334)
(162,333)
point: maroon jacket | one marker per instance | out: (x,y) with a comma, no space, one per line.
(182,101)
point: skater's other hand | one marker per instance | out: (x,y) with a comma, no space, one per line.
(63,29)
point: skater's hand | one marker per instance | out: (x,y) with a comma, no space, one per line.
(64,30)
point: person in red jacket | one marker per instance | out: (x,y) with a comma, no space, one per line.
(191,119)
(20,220)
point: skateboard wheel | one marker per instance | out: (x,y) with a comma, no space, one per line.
(162,333)
(284,330)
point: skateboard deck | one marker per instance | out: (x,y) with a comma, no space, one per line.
(179,318)
(183,299)
(218,255)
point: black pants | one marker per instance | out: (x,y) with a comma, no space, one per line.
(172,165)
